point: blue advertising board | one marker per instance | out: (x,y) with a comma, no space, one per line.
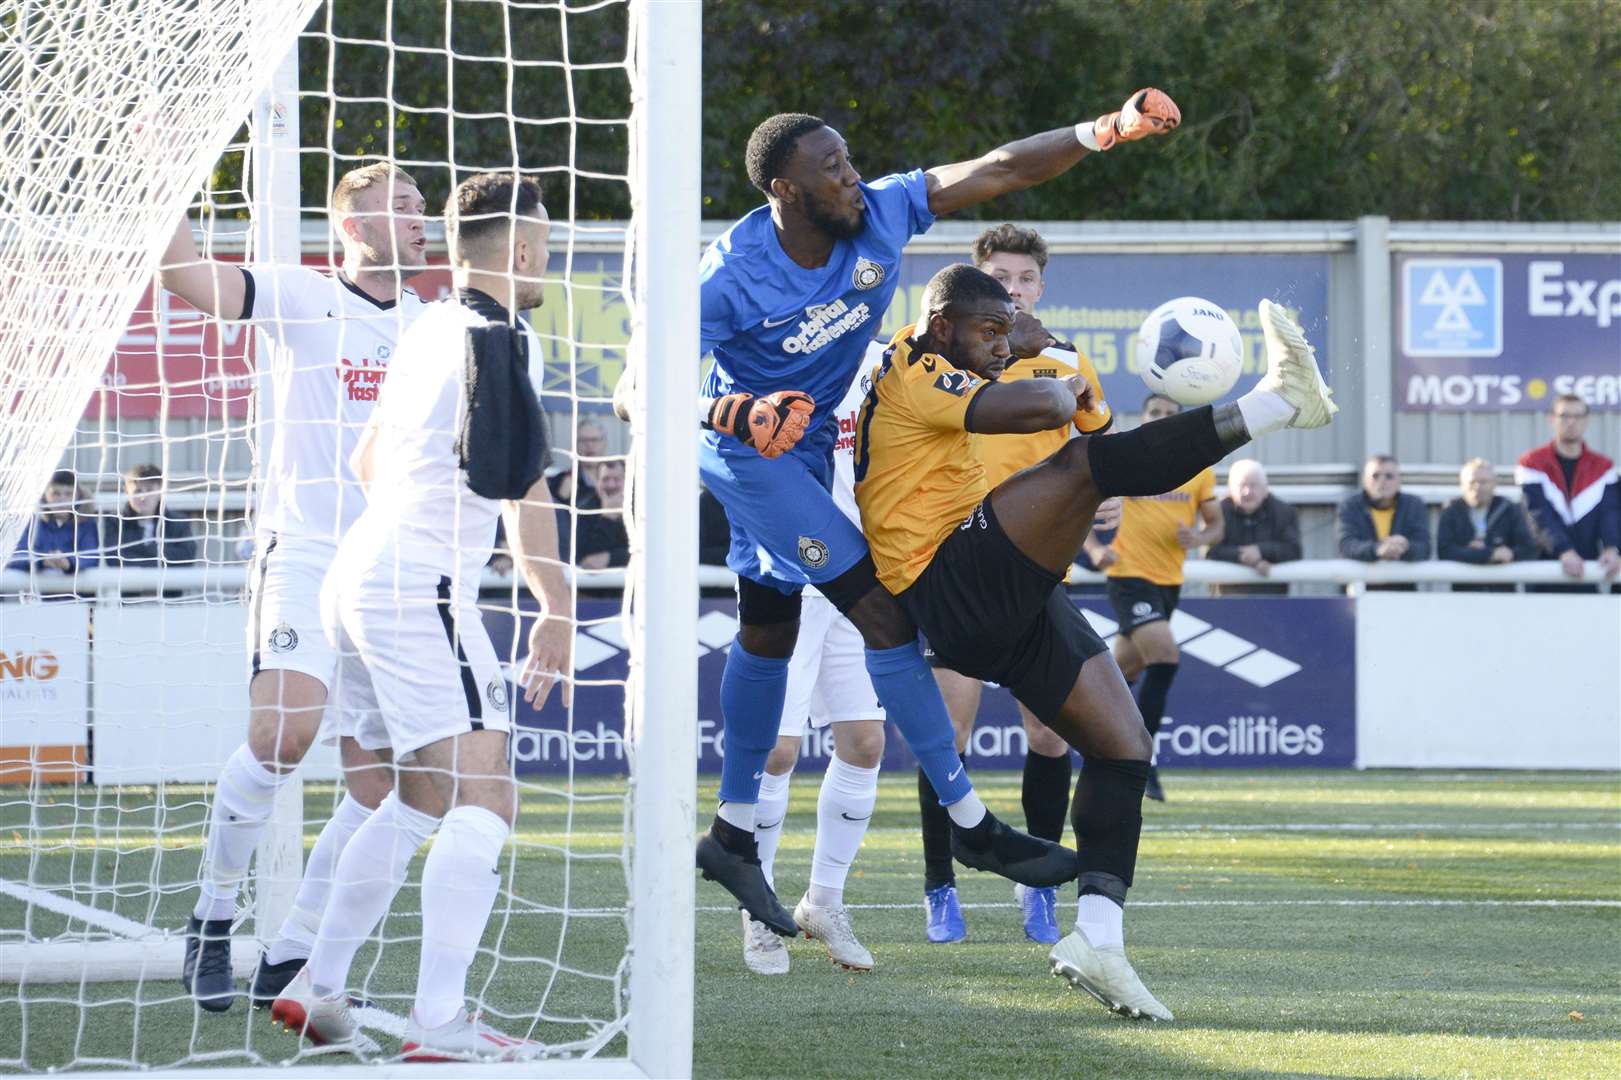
(1507,331)
(1265,681)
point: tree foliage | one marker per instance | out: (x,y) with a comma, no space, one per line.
(1417,109)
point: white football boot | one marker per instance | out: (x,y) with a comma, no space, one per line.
(1106,974)
(831,926)
(324,1021)
(464,1038)
(763,951)
(1291,369)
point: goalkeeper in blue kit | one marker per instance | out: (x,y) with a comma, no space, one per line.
(791,295)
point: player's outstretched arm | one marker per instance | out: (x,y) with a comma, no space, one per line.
(1019,408)
(215,288)
(532,532)
(1039,158)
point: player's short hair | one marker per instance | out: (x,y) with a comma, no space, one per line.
(353,182)
(1013,240)
(137,473)
(484,205)
(960,283)
(1478,463)
(1380,459)
(773,142)
(1569,399)
(1151,398)
(63,478)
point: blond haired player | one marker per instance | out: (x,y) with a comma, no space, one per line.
(324,349)
(1016,257)
(1144,565)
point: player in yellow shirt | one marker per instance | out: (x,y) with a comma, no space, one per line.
(1144,565)
(1017,258)
(980,571)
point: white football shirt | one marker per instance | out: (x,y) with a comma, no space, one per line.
(421,515)
(324,350)
(844,445)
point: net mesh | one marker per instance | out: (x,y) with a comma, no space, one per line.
(126,112)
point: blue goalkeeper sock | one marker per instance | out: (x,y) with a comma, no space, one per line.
(751,692)
(911,698)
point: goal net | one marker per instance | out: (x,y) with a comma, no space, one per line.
(138,481)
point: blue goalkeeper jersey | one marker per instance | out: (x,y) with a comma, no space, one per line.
(774,325)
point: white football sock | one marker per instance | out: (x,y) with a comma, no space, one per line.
(297,935)
(243,800)
(370,873)
(843,811)
(459,883)
(1265,411)
(967,811)
(1101,920)
(768,816)
(741,814)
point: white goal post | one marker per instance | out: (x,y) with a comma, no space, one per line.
(113,115)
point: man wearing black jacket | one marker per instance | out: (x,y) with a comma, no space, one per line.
(1380,523)
(1482,527)
(1260,529)
(146,534)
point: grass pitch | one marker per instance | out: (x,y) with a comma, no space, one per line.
(1298,923)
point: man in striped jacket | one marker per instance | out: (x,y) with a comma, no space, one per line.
(1572,494)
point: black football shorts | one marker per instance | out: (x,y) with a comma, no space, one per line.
(1137,602)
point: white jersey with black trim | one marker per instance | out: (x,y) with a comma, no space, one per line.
(421,515)
(324,349)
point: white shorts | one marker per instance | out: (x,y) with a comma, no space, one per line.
(414,667)
(284,608)
(827,676)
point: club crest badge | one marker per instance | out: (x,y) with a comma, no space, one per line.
(867,274)
(812,552)
(496,692)
(283,639)
(1141,608)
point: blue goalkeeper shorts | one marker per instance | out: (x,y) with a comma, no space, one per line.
(787,532)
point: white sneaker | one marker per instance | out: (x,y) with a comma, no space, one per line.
(1106,974)
(464,1038)
(831,926)
(324,1021)
(763,951)
(1291,369)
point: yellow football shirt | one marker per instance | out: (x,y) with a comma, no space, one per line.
(1382,520)
(1005,455)
(918,472)
(1146,542)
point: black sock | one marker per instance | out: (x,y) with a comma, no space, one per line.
(1107,815)
(1151,698)
(937,868)
(1046,793)
(1155,458)
(738,841)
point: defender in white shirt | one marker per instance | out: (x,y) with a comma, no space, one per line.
(325,344)
(456,442)
(828,685)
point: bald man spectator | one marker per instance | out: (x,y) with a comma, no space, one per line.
(1261,529)
(1380,523)
(1482,527)
(1573,496)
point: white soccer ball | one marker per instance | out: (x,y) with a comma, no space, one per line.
(1189,350)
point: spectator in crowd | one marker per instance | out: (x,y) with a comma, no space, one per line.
(1380,523)
(1482,527)
(61,537)
(577,483)
(1259,529)
(1573,496)
(602,540)
(145,533)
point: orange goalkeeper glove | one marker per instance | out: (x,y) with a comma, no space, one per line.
(771,424)
(1147,112)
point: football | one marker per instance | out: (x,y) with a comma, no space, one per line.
(1190,350)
